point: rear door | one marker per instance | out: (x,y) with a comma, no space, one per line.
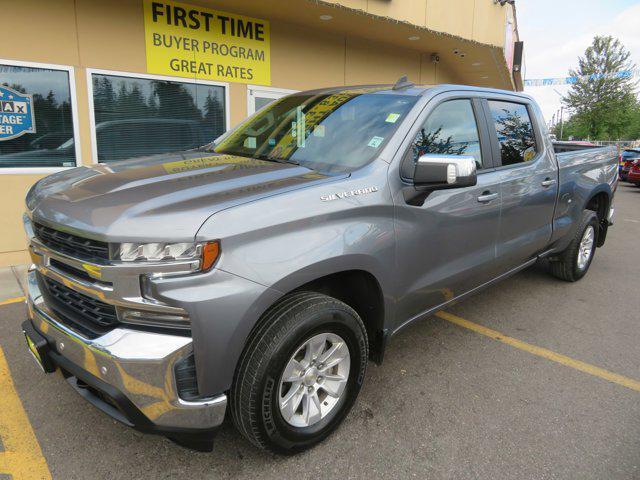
(528,175)
(445,245)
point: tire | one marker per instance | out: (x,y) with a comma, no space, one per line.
(568,265)
(297,320)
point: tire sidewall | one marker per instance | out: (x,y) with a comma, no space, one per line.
(331,319)
(592,221)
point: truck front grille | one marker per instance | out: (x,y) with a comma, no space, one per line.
(84,314)
(72,245)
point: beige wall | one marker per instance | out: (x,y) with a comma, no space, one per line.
(477,20)
(109,35)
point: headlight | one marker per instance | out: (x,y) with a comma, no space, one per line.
(207,252)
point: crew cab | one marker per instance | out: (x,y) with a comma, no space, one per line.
(255,277)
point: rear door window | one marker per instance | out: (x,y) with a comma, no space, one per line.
(515,133)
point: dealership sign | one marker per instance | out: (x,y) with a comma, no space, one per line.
(195,42)
(16,114)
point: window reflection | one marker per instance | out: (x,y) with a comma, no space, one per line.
(138,117)
(515,132)
(450,129)
(53,118)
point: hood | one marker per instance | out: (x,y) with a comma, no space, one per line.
(164,197)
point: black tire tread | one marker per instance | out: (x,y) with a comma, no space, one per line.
(268,333)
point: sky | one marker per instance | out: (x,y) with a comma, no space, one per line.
(557,32)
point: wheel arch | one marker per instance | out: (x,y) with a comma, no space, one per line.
(599,202)
(356,280)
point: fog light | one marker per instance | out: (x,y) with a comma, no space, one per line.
(186,380)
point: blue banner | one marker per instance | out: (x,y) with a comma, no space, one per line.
(16,114)
(545,82)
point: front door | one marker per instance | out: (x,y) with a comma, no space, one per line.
(447,245)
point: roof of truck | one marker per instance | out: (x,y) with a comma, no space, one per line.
(411,89)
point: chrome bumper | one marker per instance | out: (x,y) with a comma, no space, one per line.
(138,364)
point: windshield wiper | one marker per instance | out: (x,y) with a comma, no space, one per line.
(262,156)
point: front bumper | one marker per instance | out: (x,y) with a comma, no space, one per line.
(128,374)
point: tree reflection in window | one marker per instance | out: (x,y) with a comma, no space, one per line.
(51,95)
(515,132)
(450,129)
(433,142)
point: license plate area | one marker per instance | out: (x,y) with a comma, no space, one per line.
(38,347)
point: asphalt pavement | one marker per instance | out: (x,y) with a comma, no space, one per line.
(448,402)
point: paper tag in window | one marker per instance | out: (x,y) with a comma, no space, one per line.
(529,153)
(392,118)
(375,142)
(250,142)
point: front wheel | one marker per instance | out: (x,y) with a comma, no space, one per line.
(573,264)
(300,373)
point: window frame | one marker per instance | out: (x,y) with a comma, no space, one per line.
(267,92)
(484,135)
(144,76)
(73,97)
(493,134)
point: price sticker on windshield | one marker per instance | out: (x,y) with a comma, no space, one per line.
(392,118)
(375,142)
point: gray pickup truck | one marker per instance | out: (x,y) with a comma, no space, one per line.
(257,275)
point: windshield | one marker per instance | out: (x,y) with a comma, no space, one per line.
(336,132)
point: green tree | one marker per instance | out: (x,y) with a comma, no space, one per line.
(213,116)
(602,102)
(175,100)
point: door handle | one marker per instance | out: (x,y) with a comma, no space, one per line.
(487,196)
(548,182)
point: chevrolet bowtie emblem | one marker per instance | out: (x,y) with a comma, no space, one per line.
(93,270)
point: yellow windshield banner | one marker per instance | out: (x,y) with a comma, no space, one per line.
(200,163)
(291,140)
(196,42)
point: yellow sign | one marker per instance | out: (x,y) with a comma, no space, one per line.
(191,41)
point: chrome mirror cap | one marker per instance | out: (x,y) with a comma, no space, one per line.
(445,171)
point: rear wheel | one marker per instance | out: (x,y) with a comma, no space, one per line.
(300,373)
(572,264)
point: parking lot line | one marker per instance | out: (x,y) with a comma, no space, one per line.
(12,300)
(20,457)
(542,352)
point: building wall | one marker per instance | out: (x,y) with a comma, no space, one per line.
(110,35)
(470,19)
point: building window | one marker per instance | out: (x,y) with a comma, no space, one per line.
(36,117)
(136,117)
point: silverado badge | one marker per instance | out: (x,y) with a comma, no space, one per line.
(350,193)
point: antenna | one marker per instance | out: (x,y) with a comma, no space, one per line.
(403,82)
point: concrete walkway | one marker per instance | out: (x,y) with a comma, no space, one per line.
(13,282)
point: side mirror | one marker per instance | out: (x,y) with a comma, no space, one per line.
(445,171)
